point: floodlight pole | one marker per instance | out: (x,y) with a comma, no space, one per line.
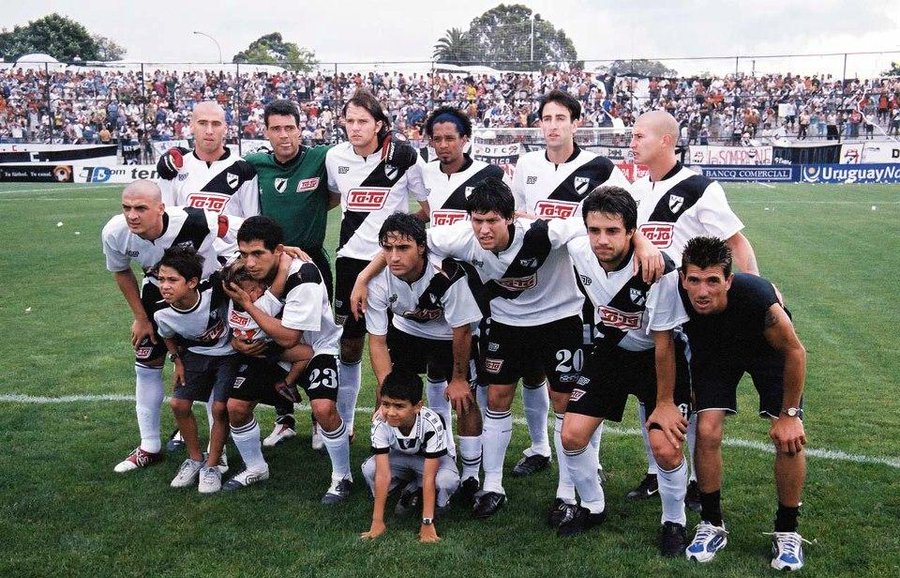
(214,40)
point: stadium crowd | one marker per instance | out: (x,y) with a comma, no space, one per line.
(105,106)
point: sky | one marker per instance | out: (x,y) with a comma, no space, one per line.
(602,30)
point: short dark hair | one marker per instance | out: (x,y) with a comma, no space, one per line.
(611,200)
(185,260)
(563,99)
(363,98)
(405,225)
(261,228)
(492,194)
(458,118)
(236,273)
(402,384)
(706,252)
(281,107)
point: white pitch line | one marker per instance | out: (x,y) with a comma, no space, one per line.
(827,454)
(59,200)
(767,185)
(58,189)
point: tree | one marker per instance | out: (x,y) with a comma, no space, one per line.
(453,48)
(272,49)
(503,37)
(642,68)
(62,38)
(894,70)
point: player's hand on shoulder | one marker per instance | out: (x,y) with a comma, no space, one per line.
(290,253)
(397,151)
(649,261)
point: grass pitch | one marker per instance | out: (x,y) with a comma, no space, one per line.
(832,250)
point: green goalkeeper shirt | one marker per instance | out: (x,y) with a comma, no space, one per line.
(295,194)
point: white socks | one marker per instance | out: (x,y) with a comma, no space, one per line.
(438,402)
(470,456)
(536,400)
(148,394)
(565,489)
(672,489)
(337,443)
(247,440)
(582,465)
(652,468)
(495,438)
(349,379)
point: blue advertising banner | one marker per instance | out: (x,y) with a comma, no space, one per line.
(745,173)
(863,173)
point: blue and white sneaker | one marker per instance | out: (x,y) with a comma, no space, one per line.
(787,549)
(246,478)
(707,542)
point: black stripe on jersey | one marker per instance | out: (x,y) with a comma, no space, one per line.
(679,199)
(384,176)
(194,229)
(457,199)
(211,289)
(230,180)
(631,298)
(583,180)
(532,254)
(429,306)
(479,290)
(307,273)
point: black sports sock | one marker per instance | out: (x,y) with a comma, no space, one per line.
(711,507)
(786,518)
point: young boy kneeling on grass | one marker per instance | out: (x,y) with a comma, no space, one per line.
(409,440)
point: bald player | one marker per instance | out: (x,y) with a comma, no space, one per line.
(676,204)
(144,230)
(210,176)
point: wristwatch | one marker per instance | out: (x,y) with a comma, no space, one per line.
(793,412)
(427,521)
(174,356)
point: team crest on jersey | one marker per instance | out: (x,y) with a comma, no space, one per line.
(233,180)
(468,192)
(343,170)
(308,185)
(393,298)
(675,203)
(660,234)
(447,217)
(367,199)
(613,317)
(637,297)
(391,172)
(210,201)
(477,263)
(582,185)
(530,263)
(547,209)
(280,185)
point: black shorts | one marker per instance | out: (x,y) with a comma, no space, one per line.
(715,383)
(205,375)
(611,374)
(152,301)
(256,379)
(510,352)
(347,270)
(420,354)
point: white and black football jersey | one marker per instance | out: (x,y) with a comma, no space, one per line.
(307,309)
(529,283)
(193,227)
(548,190)
(626,309)
(447,194)
(681,206)
(202,328)
(227,185)
(429,307)
(243,326)
(427,438)
(371,190)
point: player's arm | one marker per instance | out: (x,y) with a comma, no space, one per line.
(427,532)
(283,336)
(381,362)
(284,266)
(299,357)
(458,391)
(141,327)
(743,254)
(178,374)
(666,414)
(334,200)
(787,432)
(359,296)
(647,258)
(382,482)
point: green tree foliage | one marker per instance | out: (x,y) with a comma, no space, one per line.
(894,70)
(641,68)
(272,49)
(60,37)
(502,38)
(454,48)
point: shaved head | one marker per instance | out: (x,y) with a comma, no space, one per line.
(660,123)
(209,128)
(208,107)
(145,189)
